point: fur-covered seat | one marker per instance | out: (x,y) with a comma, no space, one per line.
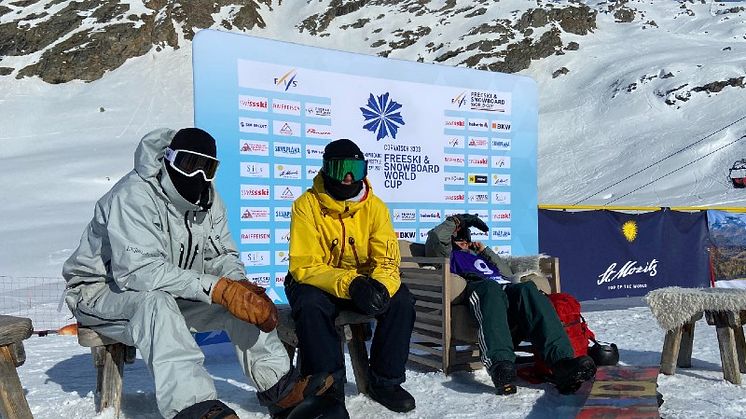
(677,311)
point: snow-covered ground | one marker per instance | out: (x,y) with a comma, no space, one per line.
(59,377)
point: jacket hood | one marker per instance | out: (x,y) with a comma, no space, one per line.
(149,153)
(331,205)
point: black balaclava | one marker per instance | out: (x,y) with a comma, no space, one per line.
(342,149)
(194,189)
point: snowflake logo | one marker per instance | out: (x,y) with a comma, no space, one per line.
(382,116)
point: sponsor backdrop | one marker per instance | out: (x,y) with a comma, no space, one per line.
(439,140)
(606,254)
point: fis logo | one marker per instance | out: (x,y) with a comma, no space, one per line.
(287,80)
(459,100)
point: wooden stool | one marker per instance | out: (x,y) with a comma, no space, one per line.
(13,330)
(352,328)
(109,357)
(677,346)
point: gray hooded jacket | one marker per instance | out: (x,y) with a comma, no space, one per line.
(144,236)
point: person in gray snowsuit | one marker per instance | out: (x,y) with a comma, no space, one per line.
(157,262)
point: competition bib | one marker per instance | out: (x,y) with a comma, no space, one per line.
(464,263)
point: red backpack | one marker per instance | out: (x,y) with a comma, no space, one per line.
(568,310)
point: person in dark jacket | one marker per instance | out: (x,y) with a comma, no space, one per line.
(344,255)
(507,310)
(157,263)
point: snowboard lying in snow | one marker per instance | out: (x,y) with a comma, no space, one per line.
(620,392)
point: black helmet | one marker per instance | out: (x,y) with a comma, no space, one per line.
(604,353)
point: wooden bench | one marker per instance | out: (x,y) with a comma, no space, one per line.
(678,343)
(677,310)
(351,326)
(445,331)
(13,331)
(109,357)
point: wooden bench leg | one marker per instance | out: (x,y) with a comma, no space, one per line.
(109,361)
(359,357)
(13,404)
(670,353)
(725,323)
(687,342)
(740,348)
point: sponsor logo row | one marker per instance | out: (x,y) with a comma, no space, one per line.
(477,197)
(264,258)
(277,170)
(477,124)
(477,179)
(438,215)
(282,214)
(281,149)
(282,128)
(476,160)
(283,107)
(290,193)
(476,100)
(478,143)
(496,233)
(316,152)
(262,278)
(258,258)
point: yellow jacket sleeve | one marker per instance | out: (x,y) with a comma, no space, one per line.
(384,249)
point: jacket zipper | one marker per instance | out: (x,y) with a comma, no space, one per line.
(354,251)
(214,246)
(189,240)
(181,254)
(342,250)
(331,251)
(194,256)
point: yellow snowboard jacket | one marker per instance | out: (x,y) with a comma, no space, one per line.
(332,242)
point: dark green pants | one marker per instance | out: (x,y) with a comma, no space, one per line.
(514,314)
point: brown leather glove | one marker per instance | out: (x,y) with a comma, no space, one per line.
(247,301)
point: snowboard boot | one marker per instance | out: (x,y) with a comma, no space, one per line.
(392,397)
(292,389)
(503,376)
(569,374)
(325,406)
(208,409)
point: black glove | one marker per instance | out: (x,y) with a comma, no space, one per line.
(369,296)
(471,220)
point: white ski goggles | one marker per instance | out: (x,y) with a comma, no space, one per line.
(189,163)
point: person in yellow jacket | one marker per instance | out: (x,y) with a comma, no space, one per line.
(344,255)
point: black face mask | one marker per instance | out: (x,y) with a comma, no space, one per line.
(194,189)
(339,191)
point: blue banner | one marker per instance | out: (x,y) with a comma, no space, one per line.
(607,254)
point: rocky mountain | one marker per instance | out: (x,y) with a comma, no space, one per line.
(82,39)
(637,96)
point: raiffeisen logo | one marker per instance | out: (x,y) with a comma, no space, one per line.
(287,80)
(382,116)
(460,99)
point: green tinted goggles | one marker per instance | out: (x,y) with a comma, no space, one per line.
(339,169)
